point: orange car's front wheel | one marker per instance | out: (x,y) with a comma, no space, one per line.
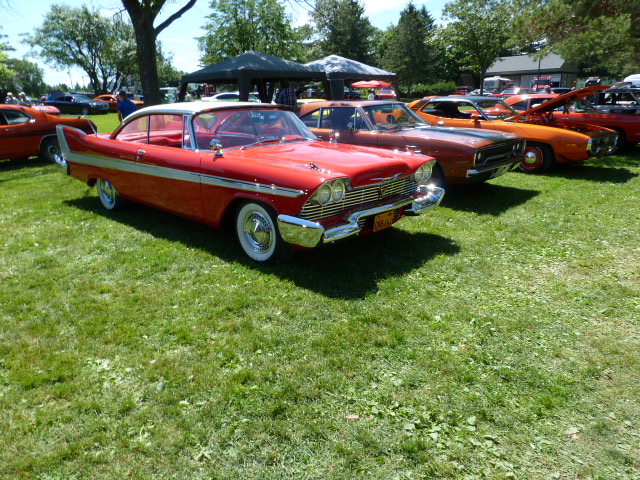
(538,157)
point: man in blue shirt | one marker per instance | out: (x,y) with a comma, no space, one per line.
(125,106)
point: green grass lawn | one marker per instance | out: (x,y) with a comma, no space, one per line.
(496,337)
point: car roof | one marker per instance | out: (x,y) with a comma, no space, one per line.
(191,108)
(344,103)
(468,98)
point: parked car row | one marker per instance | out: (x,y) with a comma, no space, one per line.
(340,169)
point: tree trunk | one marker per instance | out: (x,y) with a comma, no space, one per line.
(146,51)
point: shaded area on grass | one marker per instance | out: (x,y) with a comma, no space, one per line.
(486,198)
(593,173)
(349,269)
(17,164)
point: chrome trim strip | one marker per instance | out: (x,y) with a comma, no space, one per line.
(250,186)
(174,173)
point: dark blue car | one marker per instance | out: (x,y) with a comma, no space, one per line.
(75,103)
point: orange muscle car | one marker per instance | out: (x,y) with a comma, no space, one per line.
(26,132)
(112,100)
(546,145)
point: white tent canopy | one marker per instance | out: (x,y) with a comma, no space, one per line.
(498,78)
(635,78)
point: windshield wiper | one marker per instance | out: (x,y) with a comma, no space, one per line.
(284,139)
(261,141)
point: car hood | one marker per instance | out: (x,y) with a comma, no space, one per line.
(474,137)
(364,165)
(560,101)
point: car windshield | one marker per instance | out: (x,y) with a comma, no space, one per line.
(244,127)
(81,98)
(495,108)
(582,106)
(392,115)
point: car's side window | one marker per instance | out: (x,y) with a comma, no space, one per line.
(136,131)
(522,105)
(338,118)
(311,119)
(166,130)
(16,117)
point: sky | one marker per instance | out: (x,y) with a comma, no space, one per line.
(179,38)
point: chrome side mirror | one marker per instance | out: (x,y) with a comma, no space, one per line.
(216,146)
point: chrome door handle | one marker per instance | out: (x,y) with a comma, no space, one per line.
(140,153)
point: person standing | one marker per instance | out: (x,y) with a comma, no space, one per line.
(24,100)
(11,100)
(372,95)
(286,95)
(125,106)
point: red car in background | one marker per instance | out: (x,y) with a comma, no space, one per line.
(386,94)
(51,110)
(507,92)
(26,132)
(573,108)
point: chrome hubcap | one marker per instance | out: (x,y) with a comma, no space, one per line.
(257,232)
(107,191)
(530,157)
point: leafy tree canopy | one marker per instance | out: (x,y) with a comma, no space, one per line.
(408,48)
(344,30)
(477,32)
(600,36)
(6,73)
(28,78)
(80,37)
(236,26)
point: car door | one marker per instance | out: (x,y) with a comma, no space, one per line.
(170,174)
(20,134)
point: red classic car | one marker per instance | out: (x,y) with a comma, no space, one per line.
(562,142)
(464,155)
(256,165)
(25,132)
(46,109)
(573,108)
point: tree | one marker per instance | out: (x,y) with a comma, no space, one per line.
(167,73)
(80,37)
(409,51)
(343,30)
(600,36)
(6,73)
(143,14)
(28,78)
(236,26)
(477,32)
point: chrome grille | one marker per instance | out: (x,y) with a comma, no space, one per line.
(360,196)
(497,153)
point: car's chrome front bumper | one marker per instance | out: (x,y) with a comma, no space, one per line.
(497,169)
(305,233)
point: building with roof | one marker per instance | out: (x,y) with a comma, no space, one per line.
(523,69)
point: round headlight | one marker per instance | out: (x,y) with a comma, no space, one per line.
(324,194)
(423,173)
(337,191)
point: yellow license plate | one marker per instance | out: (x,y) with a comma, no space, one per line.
(383,220)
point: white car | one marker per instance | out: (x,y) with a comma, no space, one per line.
(229,97)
